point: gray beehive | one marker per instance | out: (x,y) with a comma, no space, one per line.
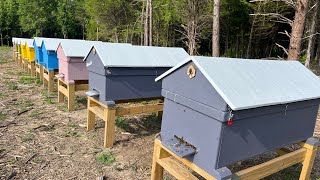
(124,72)
(218,111)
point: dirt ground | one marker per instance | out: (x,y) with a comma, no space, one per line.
(40,140)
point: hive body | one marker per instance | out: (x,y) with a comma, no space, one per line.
(50,60)
(195,112)
(115,84)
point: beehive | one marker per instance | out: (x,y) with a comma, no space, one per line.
(125,72)
(30,54)
(70,54)
(23,48)
(218,111)
(49,54)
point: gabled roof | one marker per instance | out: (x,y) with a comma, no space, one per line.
(245,84)
(14,39)
(22,41)
(77,48)
(52,43)
(29,43)
(38,40)
(125,55)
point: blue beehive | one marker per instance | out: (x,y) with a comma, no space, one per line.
(50,59)
(38,51)
(218,111)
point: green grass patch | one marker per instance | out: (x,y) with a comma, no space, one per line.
(106,157)
(29,136)
(3,95)
(12,87)
(27,80)
(292,172)
(3,116)
(35,114)
(47,96)
(122,123)
(23,104)
(63,107)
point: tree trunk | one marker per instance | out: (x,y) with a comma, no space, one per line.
(318,50)
(297,29)
(216,29)
(142,30)
(146,34)
(1,39)
(312,36)
(150,23)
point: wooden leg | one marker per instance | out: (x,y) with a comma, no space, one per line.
(308,163)
(109,130)
(160,113)
(51,81)
(157,169)
(60,94)
(71,97)
(32,69)
(90,117)
(41,73)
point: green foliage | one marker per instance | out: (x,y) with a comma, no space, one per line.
(106,157)
(122,123)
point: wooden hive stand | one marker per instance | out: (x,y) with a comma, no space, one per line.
(68,90)
(16,57)
(163,159)
(38,70)
(23,63)
(109,112)
(19,60)
(48,79)
(31,68)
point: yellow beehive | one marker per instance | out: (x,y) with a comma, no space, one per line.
(23,48)
(30,50)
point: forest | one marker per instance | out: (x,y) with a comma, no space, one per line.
(273,29)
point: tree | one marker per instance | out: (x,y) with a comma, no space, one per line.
(312,34)
(297,29)
(216,29)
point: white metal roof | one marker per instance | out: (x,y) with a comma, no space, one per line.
(77,48)
(22,41)
(246,84)
(29,42)
(14,39)
(125,55)
(38,40)
(51,44)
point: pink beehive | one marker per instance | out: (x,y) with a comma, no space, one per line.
(70,54)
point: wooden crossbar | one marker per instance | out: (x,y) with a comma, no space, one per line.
(161,162)
(31,68)
(48,79)
(108,114)
(68,90)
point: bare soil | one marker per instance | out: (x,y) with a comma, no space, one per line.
(40,140)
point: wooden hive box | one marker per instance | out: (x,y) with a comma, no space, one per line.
(37,42)
(23,48)
(70,54)
(218,111)
(30,50)
(124,72)
(49,54)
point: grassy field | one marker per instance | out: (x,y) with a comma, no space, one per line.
(40,140)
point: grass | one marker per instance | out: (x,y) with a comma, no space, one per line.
(292,172)
(27,80)
(3,95)
(122,123)
(35,114)
(71,130)
(48,96)
(3,116)
(12,87)
(5,54)
(29,136)
(23,104)
(63,107)
(106,157)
